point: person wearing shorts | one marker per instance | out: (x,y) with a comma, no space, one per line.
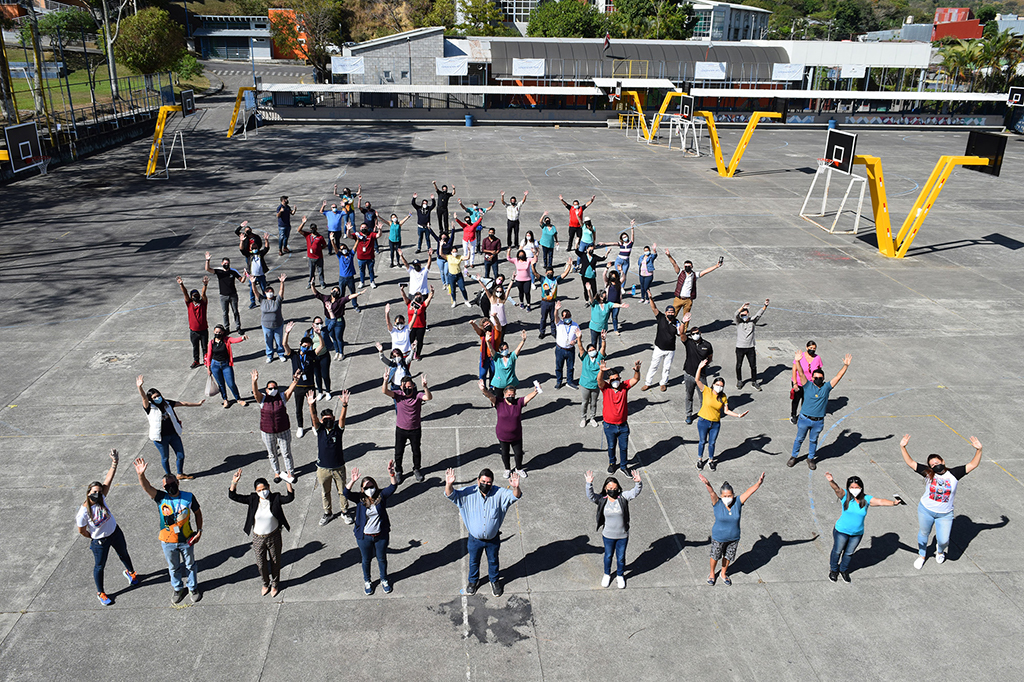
(725,533)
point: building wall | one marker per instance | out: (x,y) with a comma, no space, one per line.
(409,62)
(1015,26)
(964,30)
(278,52)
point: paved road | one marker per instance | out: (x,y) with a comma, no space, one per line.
(236,74)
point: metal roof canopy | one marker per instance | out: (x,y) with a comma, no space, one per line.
(756,93)
(432,89)
(632,83)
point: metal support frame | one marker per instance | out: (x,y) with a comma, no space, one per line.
(687,128)
(827,171)
(650,132)
(238,105)
(158,135)
(755,118)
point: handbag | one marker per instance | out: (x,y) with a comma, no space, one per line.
(212,388)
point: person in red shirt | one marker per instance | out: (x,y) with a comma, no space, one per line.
(417,307)
(315,245)
(615,412)
(366,251)
(469,237)
(575,219)
(198,329)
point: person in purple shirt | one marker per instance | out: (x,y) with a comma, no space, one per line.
(509,427)
(408,408)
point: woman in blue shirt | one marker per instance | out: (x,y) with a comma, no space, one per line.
(725,533)
(395,237)
(372,526)
(849,529)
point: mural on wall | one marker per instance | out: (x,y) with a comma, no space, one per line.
(919,120)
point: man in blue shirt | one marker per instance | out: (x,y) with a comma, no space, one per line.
(333,218)
(347,272)
(812,413)
(483,507)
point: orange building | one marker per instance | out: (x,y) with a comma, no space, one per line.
(277,51)
(956,22)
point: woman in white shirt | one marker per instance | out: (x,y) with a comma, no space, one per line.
(936,505)
(264,520)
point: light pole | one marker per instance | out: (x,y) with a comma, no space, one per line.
(252,58)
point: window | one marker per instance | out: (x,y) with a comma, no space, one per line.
(387,75)
(518,10)
(405,74)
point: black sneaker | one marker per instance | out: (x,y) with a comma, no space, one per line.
(689,419)
(811,464)
(846,576)
(611,468)
(277,479)
(712,464)
(701,463)
(497,590)
(399,475)
(791,462)
(178,596)
(417,475)
(470,589)
(833,576)
(757,386)
(739,383)
(195,596)
(325,519)
(574,386)
(792,419)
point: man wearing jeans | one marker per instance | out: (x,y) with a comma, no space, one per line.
(284,226)
(178,532)
(566,333)
(812,414)
(408,416)
(226,277)
(615,413)
(271,317)
(482,508)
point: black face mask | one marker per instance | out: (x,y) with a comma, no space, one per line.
(95,497)
(484,487)
(614,493)
(196,298)
(687,268)
(171,489)
(328,422)
(812,353)
(511,400)
(819,381)
(939,469)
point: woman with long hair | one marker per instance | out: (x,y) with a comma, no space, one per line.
(532,249)
(613,515)
(220,363)
(264,521)
(714,403)
(849,529)
(165,426)
(524,280)
(372,527)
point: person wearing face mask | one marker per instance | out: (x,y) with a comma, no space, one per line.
(370,218)
(615,412)
(95,522)
(275,429)
(567,333)
(491,334)
(372,526)
(698,349)
(408,422)
(272,317)
(303,360)
(505,365)
(347,272)
(686,282)
(725,533)
(575,218)
(804,365)
(936,506)
(165,426)
(475,212)
(416,307)
(366,251)
(600,311)
(255,251)
(398,367)
(667,329)
(418,272)
(714,403)
(456,277)
(395,238)
(469,230)
(812,414)
(532,249)
(745,325)
(334,311)
(512,210)
(181,527)
(315,245)
(613,295)
(588,272)
(330,458)
(645,270)
(348,211)
(444,195)
(264,520)
(849,529)
(591,358)
(423,211)
(493,297)
(509,424)
(321,360)
(334,227)
(226,278)
(482,508)
(198,328)
(284,225)
(399,331)
(523,266)
(490,247)
(549,295)
(625,246)
(548,241)
(613,515)
(220,364)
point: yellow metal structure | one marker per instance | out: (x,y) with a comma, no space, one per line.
(652,131)
(897,248)
(158,135)
(755,118)
(238,105)
(629,68)
(4,156)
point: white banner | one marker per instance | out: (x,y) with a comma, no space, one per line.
(347,65)
(854,71)
(787,72)
(710,71)
(528,67)
(452,66)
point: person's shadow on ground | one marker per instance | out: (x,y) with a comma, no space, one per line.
(764,550)
(881,548)
(847,441)
(661,551)
(964,530)
(550,556)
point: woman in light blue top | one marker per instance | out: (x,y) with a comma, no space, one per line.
(395,237)
(849,529)
(505,365)
(645,268)
(725,533)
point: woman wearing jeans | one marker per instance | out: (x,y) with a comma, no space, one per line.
(613,514)
(645,268)
(165,427)
(96,523)
(264,521)
(220,363)
(372,525)
(936,506)
(714,403)
(849,529)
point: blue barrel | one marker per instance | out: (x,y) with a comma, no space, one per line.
(831,123)
(469,120)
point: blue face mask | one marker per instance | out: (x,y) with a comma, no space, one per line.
(566,320)
(305,350)
(158,399)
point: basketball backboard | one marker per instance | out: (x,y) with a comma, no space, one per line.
(23,146)
(1015,98)
(686,108)
(840,148)
(188,103)
(988,145)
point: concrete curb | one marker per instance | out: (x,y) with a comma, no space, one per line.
(212,90)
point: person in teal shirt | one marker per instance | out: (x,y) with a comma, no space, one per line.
(600,311)
(395,238)
(548,240)
(849,529)
(591,357)
(505,366)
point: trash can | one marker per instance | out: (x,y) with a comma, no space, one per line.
(831,123)
(469,120)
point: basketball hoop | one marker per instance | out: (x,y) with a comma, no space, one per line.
(40,162)
(825,163)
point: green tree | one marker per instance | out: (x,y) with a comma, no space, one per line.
(566,19)
(630,18)
(149,41)
(61,26)
(188,67)
(672,21)
(442,13)
(482,18)
(318,20)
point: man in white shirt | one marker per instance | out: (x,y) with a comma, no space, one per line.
(418,273)
(512,209)
(399,332)
(566,334)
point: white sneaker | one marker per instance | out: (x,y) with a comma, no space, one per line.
(283,359)
(300,432)
(362,285)
(373,285)
(454,304)
(939,558)
(467,303)
(919,562)
(583,422)
(606,580)
(270,360)
(522,473)
(508,473)
(288,477)
(593,423)
(620,582)
(325,396)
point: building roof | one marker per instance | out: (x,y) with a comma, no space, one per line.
(397,37)
(232,17)
(885,95)
(710,4)
(431,89)
(202,32)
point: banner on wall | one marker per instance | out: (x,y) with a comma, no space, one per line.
(787,72)
(709,71)
(452,66)
(854,71)
(532,68)
(347,65)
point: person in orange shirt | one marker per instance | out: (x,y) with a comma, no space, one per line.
(491,335)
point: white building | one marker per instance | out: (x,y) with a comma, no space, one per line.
(724,21)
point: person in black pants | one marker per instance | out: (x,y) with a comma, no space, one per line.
(423,211)
(408,412)
(198,330)
(443,195)
(226,278)
(264,520)
(549,294)
(512,210)
(303,360)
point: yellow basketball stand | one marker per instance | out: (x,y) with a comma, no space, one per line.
(649,133)
(238,106)
(158,136)
(755,118)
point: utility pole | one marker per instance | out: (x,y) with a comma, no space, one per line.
(37,55)
(7,103)
(111,67)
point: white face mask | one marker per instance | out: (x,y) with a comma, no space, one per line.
(718,388)
(854,492)
(728,500)
(616,383)
(370,492)
(695,337)
(263,493)
(272,392)
(592,353)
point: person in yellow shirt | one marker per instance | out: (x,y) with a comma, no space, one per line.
(455,274)
(714,404)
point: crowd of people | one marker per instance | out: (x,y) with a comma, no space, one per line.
(354,228)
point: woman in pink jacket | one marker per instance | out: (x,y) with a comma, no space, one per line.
(220,363)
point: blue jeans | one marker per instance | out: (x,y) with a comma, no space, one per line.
(617,433)
(370,546)
(476,547)
(615,319)
(943,524)
(348,283)
(422,232)
(564,357)
(707,432)
(486,368)
(261,282)
(348,220)
(365,265)
(336,333)
(282,236)
(181,564)
(171,442)
(623,265)
(645,287)
(442,266)
(272,337)
(803,427)
(489,267)
(101,548)
(457,281)
(548,256)
(223,373)
(619,547)
(842,545)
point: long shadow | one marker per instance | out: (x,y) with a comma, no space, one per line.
(964,530)
(756,443)
(465,458)
(550,556)
(640,404)
(361,448)
(556,455)
(659,450)
(425,563)
(447,349)
(233,462)
(371,413)
(738,400)
(878,550)
(452,410)
(844,443)
(329,567)
(250,572)
(764,550)
(211,561)
(408,492)
(660,552)
(836,404)
(457,380)
(770,373)
(714,326)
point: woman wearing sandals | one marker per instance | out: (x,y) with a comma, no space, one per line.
(372,527)
(613,514)
(264,520)
(936,505)
(725,533)
(714,403)
(97,524)
(849,529)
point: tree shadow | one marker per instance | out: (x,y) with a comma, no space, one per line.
(232,463)
(756,443)
(660,552)
(964,530)
(425,563)
(764,550)
(659,450)
(881,548)
(550,556)
(845,443)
